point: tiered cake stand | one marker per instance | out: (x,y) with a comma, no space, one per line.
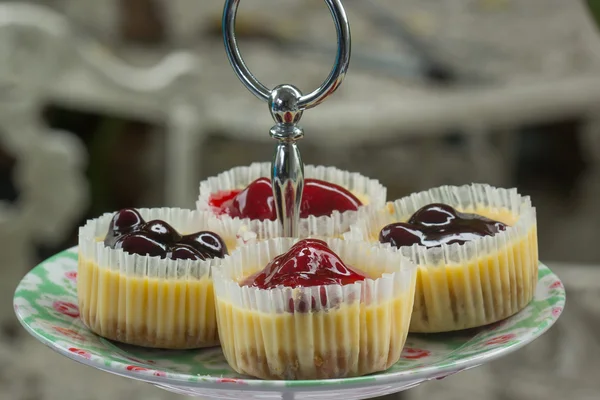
(46,305)
(46,299)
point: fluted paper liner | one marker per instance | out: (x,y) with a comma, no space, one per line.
(321,332)
(142,300)
(474,284)
(245,230)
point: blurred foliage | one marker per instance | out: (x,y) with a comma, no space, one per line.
(594,7)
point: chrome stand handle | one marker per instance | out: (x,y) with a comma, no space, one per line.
(286,104)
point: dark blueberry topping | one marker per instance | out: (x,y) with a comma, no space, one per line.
(437,224)
(206,242)
(129,231)
(162,231)
(142,244)
(125,221)
(185,252)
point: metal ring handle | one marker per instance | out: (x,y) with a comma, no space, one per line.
(333,81)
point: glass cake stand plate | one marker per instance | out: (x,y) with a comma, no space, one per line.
(46,304)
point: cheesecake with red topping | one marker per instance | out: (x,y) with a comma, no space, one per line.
(242,200)
(317,309)
(256,202)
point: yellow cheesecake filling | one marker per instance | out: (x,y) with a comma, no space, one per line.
(364,332)
(495,283)
(144,311)
(147,301)
(351,340)
(477,283)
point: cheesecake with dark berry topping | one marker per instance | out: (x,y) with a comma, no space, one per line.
(242,200)
(476,250)
(145,281)
(317,309)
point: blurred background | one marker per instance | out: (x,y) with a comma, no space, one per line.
(112,103)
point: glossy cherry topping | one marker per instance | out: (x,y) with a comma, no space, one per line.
(125,221)
(437,224)
(129,231)
(207,243)
(141,243)
(321,198)
(161,231)
(256,200)
(308,263)
(185,252)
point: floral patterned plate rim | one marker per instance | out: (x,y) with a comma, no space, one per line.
(46,305)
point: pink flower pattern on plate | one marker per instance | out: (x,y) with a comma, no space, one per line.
(556,285)
(556,311)
(501,339)
(415,354)
(69,333)
(66,308)
(80,352)
(230,380)
(71,275)
(135,368)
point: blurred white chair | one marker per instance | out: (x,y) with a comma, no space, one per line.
(196,95)
(193,96)
(34,48)
(165,93)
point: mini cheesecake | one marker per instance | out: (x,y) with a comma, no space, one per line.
(242,200)
(476,250)
(145,281)
(313,309)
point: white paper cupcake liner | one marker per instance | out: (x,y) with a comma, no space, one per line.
(470,285)
(347,330)
(246,231)
(142,300)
